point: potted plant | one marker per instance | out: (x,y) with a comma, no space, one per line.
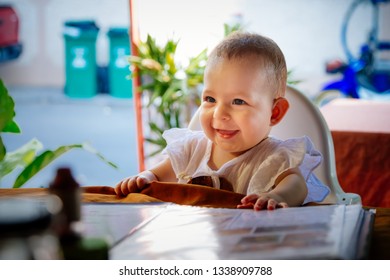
(170,92)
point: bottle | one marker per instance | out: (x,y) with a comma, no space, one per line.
(68,190)
(68,224)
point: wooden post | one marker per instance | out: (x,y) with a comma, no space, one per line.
(134,39)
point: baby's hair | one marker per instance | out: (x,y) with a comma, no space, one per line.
(244,45)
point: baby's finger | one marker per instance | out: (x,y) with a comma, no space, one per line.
(132,185)
(121,187)
(118,189)
(272,204)
(141,182)
(249,198)
(261,203)
(245,206)
(282,205)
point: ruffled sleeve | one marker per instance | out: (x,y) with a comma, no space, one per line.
(317,191)
(185,147)
(284,155)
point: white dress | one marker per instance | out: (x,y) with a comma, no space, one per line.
(255,171)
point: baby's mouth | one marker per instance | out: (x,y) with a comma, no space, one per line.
(226,133)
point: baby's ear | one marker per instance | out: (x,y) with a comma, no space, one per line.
(279,109)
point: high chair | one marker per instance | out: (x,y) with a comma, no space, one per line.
(304,118)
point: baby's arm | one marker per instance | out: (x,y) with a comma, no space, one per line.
(290,190)
(161,172)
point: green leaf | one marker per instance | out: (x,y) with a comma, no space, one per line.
(41,162)
(92,150)
(7,112)
(20,157)
(153,127)
(48,157)
(2,150)
(12,127)
(158,142)
(290,80)
(230,28)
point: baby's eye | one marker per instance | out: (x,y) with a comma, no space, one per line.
(239,102)
(209,99)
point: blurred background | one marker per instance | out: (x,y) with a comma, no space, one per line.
(308,32)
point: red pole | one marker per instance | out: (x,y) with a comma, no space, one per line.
(134,39)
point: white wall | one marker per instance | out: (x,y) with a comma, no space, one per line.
(308,31)
(41,29)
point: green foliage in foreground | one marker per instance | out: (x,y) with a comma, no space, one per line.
(28,157)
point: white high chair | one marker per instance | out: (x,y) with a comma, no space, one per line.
(304,118)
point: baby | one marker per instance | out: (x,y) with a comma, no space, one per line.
(243,97)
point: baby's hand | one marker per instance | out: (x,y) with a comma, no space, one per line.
(267,201)
(134,183)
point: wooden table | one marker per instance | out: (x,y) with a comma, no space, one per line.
(380,238)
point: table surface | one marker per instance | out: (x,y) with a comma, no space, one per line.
(380,236)
(380,239)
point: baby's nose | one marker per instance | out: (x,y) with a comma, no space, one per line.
(221,112)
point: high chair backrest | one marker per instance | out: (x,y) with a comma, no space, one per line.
(304,118)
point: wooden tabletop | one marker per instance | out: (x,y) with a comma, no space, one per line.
(380,237)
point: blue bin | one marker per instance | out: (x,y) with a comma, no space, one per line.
(118,67)
(80,58)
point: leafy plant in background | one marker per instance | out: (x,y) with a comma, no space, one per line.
(27,157)
(168,88)
(230,28)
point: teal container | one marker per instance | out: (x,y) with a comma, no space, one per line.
(80,58)
(118,67)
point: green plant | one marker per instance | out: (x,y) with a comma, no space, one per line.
(290,80)
(230,28)
(27,157)
(168,89)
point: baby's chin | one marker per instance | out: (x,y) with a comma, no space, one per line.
(235,152)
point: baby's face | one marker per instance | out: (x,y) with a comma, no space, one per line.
(236,106)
